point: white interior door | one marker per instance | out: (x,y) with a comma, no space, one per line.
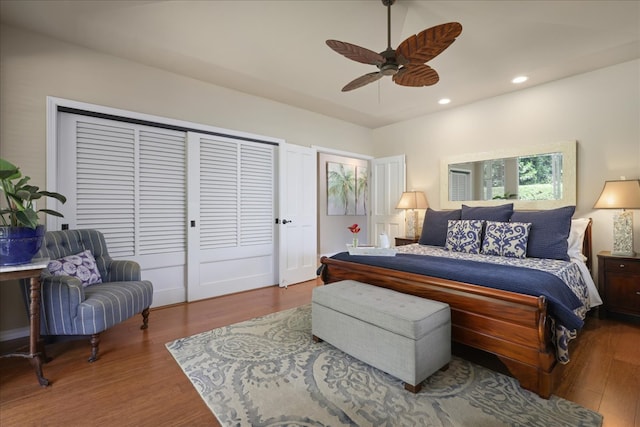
(231,237)
(388,183)
(297,222)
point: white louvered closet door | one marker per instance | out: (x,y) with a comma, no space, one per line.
(195,211)
(231,215)
(128,181)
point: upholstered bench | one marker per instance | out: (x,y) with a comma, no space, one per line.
(404,335)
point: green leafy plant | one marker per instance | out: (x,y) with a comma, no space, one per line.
(19,196)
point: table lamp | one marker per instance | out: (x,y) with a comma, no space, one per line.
(621,194)
(412,200)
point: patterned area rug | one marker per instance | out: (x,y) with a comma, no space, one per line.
(268,372)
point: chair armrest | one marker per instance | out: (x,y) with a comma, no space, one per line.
(123,271)
(61,296)
(65,284)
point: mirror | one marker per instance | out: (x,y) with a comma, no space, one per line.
(540,177)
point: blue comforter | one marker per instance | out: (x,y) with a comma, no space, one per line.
(561,300)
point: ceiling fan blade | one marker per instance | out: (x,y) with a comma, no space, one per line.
(356,53)
(429,43)
(362,80)
(416,75)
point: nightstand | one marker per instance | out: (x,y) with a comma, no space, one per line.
(401,241)
(619,283)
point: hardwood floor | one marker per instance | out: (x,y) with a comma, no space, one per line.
(137,382)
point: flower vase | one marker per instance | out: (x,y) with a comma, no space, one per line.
(355,241)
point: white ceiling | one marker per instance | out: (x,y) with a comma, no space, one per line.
(276,49)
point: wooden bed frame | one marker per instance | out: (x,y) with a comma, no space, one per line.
(512,326)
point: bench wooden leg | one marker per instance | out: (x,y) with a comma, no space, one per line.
(413,388)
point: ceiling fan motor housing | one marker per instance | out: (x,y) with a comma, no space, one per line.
(390,66)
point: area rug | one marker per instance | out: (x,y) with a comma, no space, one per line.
(268,372)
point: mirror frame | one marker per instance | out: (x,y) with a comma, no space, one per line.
(569,162)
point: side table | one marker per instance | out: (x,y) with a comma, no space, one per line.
(619,283)
(30,271)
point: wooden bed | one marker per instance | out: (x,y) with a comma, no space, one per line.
(512,326)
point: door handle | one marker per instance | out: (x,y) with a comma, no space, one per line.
(284,221)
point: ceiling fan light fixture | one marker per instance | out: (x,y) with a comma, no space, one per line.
(389,69)
(519,79)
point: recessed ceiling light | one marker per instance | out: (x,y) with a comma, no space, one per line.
(444,101)
(520,79)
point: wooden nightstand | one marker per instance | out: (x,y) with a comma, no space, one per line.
(619,282)
(401,241)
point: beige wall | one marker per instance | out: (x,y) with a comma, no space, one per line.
(600,110)
(33,67)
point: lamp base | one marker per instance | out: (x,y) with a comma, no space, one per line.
(412,224)
(623,234)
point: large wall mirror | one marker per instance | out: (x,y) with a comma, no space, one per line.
(538,177)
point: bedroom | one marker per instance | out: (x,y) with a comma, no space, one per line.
(599,109)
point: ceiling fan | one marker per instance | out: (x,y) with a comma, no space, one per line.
(407,63)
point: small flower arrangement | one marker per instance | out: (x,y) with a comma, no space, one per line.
(355,229)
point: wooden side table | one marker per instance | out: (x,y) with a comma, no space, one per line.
(619,283)
(401,241)
(30,271)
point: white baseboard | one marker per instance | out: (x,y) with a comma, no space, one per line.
(12,334)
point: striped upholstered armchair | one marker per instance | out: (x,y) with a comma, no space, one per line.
(101,292)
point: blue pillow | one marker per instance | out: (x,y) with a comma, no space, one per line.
(506,239)
(549,232)
(464,236)
(434,228)
(500,213)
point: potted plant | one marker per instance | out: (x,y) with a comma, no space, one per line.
(20,233)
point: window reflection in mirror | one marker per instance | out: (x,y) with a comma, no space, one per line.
(533,177)
(529,176)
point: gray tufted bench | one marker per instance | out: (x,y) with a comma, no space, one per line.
(404,335)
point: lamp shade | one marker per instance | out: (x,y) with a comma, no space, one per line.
(620,195)
(413,200)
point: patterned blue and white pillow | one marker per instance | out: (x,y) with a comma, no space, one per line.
(82,266)
(464,236)
(506,239)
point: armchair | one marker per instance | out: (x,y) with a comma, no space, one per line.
(69,308)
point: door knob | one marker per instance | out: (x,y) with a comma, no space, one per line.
(284,221)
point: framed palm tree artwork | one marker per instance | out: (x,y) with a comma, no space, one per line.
(341,189)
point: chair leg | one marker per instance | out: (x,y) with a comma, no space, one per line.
(145,318)
(95,341)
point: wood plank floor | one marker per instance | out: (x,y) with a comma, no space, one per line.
(137,382)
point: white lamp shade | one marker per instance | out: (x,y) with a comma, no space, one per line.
(413,200)
(620,195)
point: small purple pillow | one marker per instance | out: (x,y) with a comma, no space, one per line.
(82,266)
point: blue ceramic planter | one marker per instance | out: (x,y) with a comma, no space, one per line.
(19,244)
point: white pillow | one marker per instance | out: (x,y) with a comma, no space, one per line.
(576,238)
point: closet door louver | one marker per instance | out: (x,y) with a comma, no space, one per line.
(105,180)
(131,186)
(256,194)
(236,194)
(162,192)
